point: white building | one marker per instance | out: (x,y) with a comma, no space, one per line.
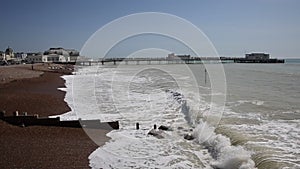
(34,58)
(53,55)
(57,54)
(53,58)
(172,56)
(257,56)
(20,56)
(9,55)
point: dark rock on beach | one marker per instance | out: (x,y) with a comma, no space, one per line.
(162,127)
(156,133)
(189,137)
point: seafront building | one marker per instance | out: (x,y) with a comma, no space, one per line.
(257,56)
(20,55)
(1,55)
(172,56)
(59,55)
(8,56)
(34,57)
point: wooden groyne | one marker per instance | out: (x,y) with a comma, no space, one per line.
(32,120)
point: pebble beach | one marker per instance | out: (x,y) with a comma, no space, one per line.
(35,91)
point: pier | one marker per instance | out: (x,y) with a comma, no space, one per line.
(166,60)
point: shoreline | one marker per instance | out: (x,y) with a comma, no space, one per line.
(36,92)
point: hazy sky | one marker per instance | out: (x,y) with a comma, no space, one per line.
(233,26)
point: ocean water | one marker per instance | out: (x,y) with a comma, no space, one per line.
(259,128)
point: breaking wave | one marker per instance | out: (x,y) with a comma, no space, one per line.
(225,155)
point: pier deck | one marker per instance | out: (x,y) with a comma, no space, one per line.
(192,60)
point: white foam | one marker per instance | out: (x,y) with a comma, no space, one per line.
(280,136)
(62,89)
(90,95)
(240,102)
(96,97)
(226,156)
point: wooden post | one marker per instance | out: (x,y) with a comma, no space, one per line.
(16,113)
(205,72)
(2,114)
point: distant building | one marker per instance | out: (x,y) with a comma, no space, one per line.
(172,56)
(72,52)
(257,56)
(34,58)
(20,56)
(52,55)
(1,55)
(53,58)
(57,54)
(57,51)
(9,55)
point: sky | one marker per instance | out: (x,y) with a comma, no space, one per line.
(234,27)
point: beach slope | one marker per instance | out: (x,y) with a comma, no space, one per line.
(35,92)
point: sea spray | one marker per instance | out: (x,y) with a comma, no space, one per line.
(186,110)
(226,156)
(274,130)
(130,148)
(219,146)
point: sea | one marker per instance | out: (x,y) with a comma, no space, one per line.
(258,126)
